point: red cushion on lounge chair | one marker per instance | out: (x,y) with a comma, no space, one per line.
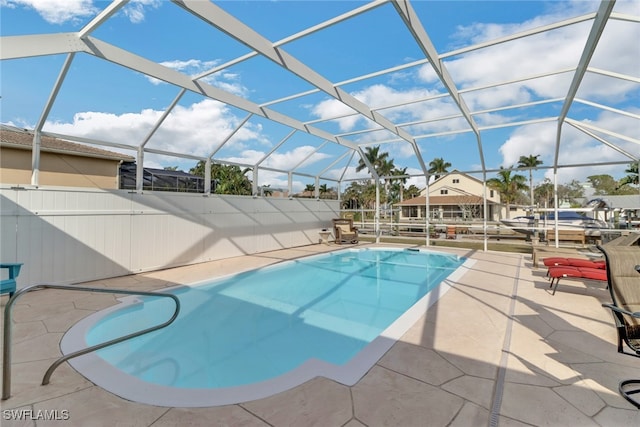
(564,271)
(548,262)
(593,273)
(577,262)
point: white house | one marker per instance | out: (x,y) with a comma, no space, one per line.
(454,197)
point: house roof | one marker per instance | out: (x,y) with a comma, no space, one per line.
(22,139)
(455,172)
(444,201)
(631,201)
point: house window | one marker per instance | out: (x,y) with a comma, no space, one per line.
(410,211)
(491,193)
(444,191)
(456,181)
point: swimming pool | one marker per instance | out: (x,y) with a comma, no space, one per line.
(261,332)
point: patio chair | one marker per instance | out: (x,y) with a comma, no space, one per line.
(9,285)
(451,232)
(345,231)
(624,287)
(623,264)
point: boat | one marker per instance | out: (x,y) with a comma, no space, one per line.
(566,219)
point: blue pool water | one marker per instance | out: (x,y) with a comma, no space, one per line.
(259,325)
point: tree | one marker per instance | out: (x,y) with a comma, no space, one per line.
(438,167)
(398,181)
(230,179)
(198,169)
(352,196)
(326,192)
(309,190)
(571,192)
(509,186)
(632,177)
(543,193)
(377,159)
(603,184)
(412,191)
(359,195)
(530,163)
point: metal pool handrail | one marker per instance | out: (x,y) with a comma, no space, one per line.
(6,359)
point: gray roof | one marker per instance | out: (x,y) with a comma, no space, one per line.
(23,139)
(631,201)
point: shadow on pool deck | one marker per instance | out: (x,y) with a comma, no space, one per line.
(497,348)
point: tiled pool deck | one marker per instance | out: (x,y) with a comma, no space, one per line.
(497,349)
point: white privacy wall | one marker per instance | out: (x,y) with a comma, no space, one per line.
(67,235)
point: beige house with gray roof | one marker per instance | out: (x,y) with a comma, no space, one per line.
(62,163)
(453,197)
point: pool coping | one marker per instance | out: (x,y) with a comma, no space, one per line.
(128,387)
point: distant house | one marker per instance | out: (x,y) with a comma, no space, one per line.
(162,180)
(62,163)
(622,210)
(453,197)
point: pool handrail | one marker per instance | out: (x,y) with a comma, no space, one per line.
(7,332)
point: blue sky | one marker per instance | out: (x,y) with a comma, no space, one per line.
(106,102)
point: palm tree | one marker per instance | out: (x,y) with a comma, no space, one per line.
(544,193)
(352,196)
(309,190)
(386,168)
(632,177)
(530,163)
(509,186)
(226,179)
(376,158)
(412,191)
(231,179)
(438,167)
(324,191)
(401,180)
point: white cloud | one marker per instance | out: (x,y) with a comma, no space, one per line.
(182,131)
(576,147)
(57,11)
(379,96)
(135,10)
(224,80)
(75,11)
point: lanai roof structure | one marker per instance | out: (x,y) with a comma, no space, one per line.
(298,90)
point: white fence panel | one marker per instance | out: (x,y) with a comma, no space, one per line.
(68,235)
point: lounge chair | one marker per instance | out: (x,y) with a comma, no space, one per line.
(624,287)
(623,266)
(345,231)
(9,285)
(574,262)
(560,271)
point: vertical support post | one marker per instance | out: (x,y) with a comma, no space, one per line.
(207,176)
(377,212)
(35,159)
(140,169)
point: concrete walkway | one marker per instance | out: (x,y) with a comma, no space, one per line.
(497,349)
